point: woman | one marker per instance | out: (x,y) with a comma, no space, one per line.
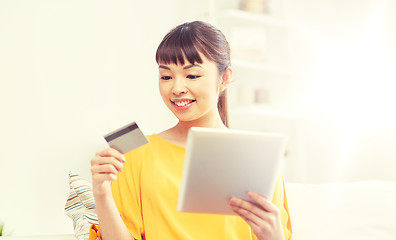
(140,203)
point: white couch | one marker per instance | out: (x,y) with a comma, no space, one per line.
(355,210)
(340,211)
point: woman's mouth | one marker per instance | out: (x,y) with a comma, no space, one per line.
(182,104)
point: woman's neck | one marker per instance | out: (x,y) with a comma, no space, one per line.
(185,126)
(178,133)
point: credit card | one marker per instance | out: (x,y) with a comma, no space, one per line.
(126,138)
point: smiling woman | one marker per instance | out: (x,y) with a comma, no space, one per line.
(194,72)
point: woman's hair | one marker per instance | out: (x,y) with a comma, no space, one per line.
(187,41)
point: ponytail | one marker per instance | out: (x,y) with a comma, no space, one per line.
(222,106)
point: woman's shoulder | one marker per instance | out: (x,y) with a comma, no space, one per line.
(155,142)
(152,140)
(161,140)
(156,146)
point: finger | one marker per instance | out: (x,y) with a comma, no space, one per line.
(253,208)
(259,220)
(245,212)
(259,230)
(111,152)
(263,202)
(244,204)
(107,160)
(104,169)
(252,224)
(248,210)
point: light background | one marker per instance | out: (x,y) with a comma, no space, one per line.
(70,71)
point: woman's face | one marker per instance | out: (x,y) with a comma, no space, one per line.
(191,91)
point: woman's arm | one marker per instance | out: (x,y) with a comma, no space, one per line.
(104,167)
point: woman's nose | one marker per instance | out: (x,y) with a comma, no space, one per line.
(179,87)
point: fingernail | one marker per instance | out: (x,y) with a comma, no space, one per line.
(123,158)
(251,194)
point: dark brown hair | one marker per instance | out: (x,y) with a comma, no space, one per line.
(187,41)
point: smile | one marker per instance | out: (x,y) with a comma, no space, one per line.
(182,104)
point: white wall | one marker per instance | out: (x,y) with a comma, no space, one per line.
(70,71)
(344,58)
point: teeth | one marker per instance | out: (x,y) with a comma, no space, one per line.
(181,104)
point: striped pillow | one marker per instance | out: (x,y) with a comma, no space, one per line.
(80,206)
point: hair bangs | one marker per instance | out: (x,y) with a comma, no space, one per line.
(179,45)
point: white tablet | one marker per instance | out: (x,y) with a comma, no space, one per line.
(221,163)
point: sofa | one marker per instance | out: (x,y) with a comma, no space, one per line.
(359,210)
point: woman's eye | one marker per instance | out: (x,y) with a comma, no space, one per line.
(165,77)
(193,76)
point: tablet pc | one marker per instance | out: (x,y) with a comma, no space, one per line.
(221,163)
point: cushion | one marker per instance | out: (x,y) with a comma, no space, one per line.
(354,210)
(80,206)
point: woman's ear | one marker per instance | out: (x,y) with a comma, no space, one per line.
(226,78)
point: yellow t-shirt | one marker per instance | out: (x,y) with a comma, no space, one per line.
(146,193)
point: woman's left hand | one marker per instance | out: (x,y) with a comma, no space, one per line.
(262,216)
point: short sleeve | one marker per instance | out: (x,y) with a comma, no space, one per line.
(280,200)
(126,193)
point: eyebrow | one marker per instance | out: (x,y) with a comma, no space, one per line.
(164,67)
(184,68)
(192,65)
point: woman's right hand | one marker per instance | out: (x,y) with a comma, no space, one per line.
(104,168)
